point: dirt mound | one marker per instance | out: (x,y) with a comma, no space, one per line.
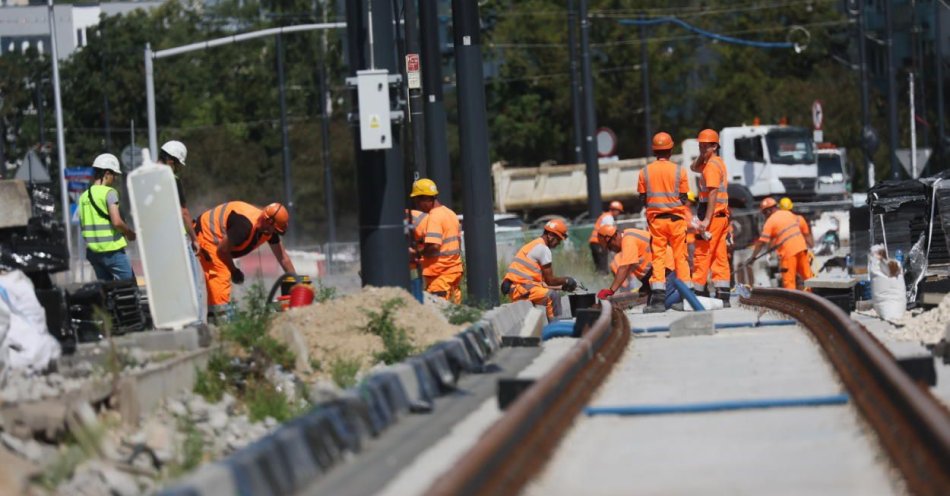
(928,327)
(324,333)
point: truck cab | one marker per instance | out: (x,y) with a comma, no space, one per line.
(832,172)
(771,161)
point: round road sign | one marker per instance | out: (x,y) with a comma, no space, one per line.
(817,115)
(606,142)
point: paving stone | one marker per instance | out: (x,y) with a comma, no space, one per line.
(693,324)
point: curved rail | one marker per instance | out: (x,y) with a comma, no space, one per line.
(517,445)
(913,426)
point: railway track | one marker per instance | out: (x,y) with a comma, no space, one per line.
(910,424)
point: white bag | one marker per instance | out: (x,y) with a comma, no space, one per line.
(888,293)
(27,343)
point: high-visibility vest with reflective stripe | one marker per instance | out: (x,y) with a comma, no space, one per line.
(97,231)
(418,218)
(593,234)
(658,200)
(213,226)
(644,252)
(449,260)
(788,239)
(722,196)
(522,269)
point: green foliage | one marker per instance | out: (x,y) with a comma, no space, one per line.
(324,293)
(263,400)
(344,370)
(193,450)
(461,314)
(212,382)
(396,343)
(249,330)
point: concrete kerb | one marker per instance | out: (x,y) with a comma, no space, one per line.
(428,383)
(298,456)
(406,374)
(438,363)
(144,390)
(693,324)
(533,322)
(259,469)
(213,478)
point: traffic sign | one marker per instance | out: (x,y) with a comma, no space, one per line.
(606,142)
(414,78)
(131,157)
(817,115)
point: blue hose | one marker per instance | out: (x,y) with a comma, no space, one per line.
(721,325)
(717,406)
(559,329)
(687,294)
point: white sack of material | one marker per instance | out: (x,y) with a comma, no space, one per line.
(27,345)
(888,290)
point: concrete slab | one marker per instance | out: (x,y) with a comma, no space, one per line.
(693,324)
(143,390)
(189,338)
(15,204)
(533,322)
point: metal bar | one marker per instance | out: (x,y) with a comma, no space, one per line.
(201,45)
(938,50)
(325,143)
(60,137)
(437,150)
(416,119)
(865,99)
(150,103)
(891,89)
(645,72)
(590,120)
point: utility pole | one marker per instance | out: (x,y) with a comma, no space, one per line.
(891,89)
(645,71)
(60,137)
(381,184)
(285,144)
(437,149)
(325,140)
(414,89)
(575,84)
(594,206)
(480,251)
(938,50)
(863,77)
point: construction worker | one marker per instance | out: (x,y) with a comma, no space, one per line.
(663,186)
(173,154)
(416,233)
(786,204)
(711,248)
(782,233)
(530,275)
(597,251)
(232,230)
(634,257)
(102,227)
(441,255)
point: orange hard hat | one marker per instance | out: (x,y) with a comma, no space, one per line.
(607,230)
(767,203)
(616,205)
(278,215)
(556,227)
(662,141)
(708,136)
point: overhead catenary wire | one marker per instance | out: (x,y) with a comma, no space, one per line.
(708,34)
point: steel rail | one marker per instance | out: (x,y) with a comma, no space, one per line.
(517,446)
(912,426)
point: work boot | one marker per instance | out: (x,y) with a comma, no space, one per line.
(723,294)
(679,306)
(655,305)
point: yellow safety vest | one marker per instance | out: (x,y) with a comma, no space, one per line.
(97,230)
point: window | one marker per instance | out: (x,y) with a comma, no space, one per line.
(791,146)
(749,149)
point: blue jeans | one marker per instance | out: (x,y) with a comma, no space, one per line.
(111,265)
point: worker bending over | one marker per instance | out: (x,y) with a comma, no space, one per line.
(634,257)
(232,230)
(597,251)
(102,226)
(441,255)
(711,249)
(530,275)
(782,233)
(663,187)
(786,204)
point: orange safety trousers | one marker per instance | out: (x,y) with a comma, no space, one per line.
(795,266)
(668,234)
(538,295)
(445,286)
(712,254)
(217,274)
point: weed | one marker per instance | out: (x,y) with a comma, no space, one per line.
(324,293)
(396,343)
(193,450)
(461,314)
(316,365)
(263,400)
(344,370)
(249,330)
(62,467)
(212,382)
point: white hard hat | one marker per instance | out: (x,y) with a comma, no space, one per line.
(107,161)
(176,149)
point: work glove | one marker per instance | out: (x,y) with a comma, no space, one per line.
(605,293)
(237,277)
(569,284)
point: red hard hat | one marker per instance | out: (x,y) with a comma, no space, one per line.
(662,141)
(708,136)
(767,203)
(556,227)
(616,205)
(277,213)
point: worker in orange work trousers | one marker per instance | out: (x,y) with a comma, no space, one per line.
(782,233)
(232,230)
(786,204)
(597,251)
(530,275)
(712,253)
(441,255)
(634,257)
(663,187)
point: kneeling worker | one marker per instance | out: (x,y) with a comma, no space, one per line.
(102,226)
(232,230)
(530,276)
(782,233)
(442,246)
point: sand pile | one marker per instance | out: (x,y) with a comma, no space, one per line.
(928,327)
(325,332)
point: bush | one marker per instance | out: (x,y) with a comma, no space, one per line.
(461,314)
(344,370)
(396,343)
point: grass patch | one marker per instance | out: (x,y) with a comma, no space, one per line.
(264,400)
(461,314)
(192,450)
(323,293)
(249,330)
(396,343)
(344,370)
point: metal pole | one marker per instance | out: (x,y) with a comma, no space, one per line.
(645,62)
(913,127)
(480,250)
(60,138)
(938,49)
(891,89)
(437,149)
(865,105)
(415,94)
(105,95)
(575,84)
(325,142)
(150,103)
(285,143)
(380,179)
(590,119)
(40,114)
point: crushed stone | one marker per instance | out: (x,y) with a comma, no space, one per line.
(927,327)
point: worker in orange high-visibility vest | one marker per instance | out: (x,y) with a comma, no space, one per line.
(663,187)
(597,251)
(786,204)
(634,259)
(782,233)
(416,228)
(530,275)
(441,255)
(232,230)
(712,252)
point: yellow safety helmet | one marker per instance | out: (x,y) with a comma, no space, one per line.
(691,196)
(786,203)
(424,187)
